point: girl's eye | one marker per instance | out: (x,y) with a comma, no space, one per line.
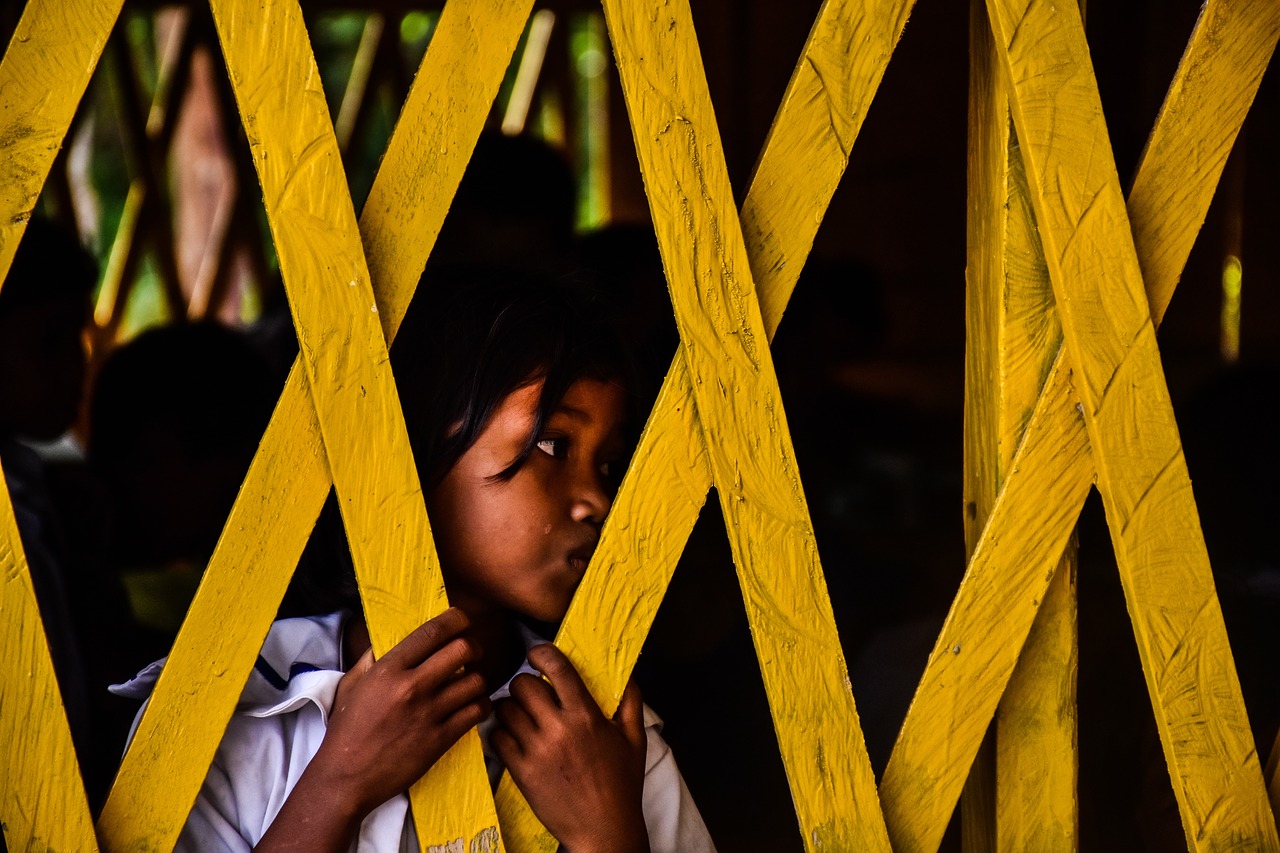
(556,448)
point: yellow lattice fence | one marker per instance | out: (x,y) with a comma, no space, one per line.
(1043,184)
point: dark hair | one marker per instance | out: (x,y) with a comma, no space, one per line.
(472,337)
(49,265)
(202,383)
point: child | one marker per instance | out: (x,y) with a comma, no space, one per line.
(515,408)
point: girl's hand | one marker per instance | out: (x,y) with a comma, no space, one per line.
(583,774)
(391,720)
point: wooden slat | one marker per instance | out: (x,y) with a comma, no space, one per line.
(1037,760)
(667,483)
(289,478)
(45,70)
(345,358)
(749,447)
(971,663)
(43,76)
(42,799)
(1028,774)
(1142,474)
(920,786)
(1233,42)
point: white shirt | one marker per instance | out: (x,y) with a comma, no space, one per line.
(281,720)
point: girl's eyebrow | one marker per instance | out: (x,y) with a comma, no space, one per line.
(575,413)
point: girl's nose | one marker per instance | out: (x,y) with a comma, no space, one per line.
(592,499)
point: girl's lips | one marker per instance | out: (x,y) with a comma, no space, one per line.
(579,558)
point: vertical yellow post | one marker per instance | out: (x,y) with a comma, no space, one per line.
(1021,794)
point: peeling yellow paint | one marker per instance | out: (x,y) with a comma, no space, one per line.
(669,477)
(289,478)
(43,75)
(1021,793)
(716,412)
(950,711)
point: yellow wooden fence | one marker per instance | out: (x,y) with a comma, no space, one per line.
(1065,391)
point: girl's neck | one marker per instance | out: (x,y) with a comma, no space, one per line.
(498,645)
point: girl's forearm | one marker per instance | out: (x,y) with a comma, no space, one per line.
(317,816)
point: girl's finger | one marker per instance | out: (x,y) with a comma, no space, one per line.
(507,747)
(565,681)
(468,687)
(464,719)
(535,696)
(630,715)
(350,678)
(515,720)
(445,662)
(428,637)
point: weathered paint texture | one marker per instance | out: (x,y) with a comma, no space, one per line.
(289,478)
(1021,794)
(45,71)
(43,75)
(719,417)
(749,449)
(1142,476)
(667,483)
(958,694)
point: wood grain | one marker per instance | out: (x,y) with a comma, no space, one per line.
(289,478)
(920,786)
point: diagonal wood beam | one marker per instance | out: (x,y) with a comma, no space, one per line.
(730,370)
(43,76)
(289,478)
(1142,475)
(665,487)
(1014,560)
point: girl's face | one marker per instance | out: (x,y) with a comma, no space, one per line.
(522,545)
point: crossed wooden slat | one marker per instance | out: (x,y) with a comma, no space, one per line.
(42,799)
(689,157)
(1049,478)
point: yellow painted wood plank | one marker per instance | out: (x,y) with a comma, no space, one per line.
(289,478)
(1141,471)
(808,147)
(1206,104)
(1006,580)
(344,355)
(1029,769)
(920,785)
(1272,774)
(1037,761)
(666,485)
(42,799)
(749,447)
(43,75)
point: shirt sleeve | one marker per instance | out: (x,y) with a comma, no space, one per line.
(670,815)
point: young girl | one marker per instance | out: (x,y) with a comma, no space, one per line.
(513,397)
